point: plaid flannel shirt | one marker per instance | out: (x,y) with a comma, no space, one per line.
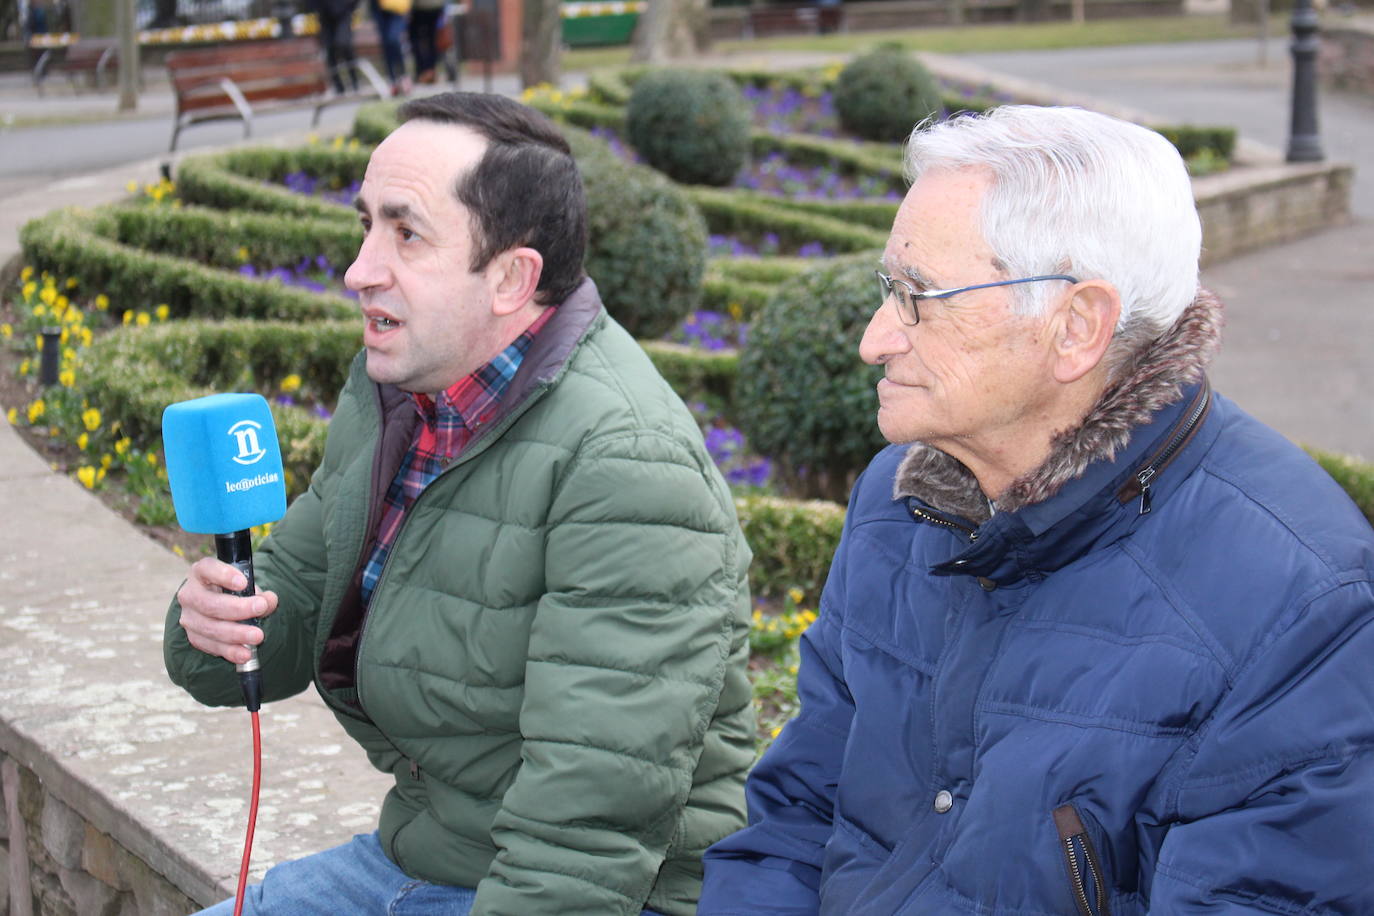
(445,430)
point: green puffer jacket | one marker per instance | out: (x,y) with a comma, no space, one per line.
(553,662)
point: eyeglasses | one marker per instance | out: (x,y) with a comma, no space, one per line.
(905,296)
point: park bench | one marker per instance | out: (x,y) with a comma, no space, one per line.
(233,82)
(88,59)
(809,18)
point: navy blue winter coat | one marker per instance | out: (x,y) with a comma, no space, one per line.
(1077,706)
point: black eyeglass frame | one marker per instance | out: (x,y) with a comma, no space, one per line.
(906,304)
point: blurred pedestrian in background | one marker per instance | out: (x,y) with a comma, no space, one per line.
(336,36)
(390,16)
(424,37)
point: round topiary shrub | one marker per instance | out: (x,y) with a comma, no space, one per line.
(691,125)
(803,396)
(884,94)
(647,244)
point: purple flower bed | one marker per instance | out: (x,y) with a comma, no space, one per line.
(708,330)
(727,447)
(309,185)
(315,274)
(729,246)
(775,175)
(790,111)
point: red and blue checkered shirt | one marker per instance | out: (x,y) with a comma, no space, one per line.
(445,430)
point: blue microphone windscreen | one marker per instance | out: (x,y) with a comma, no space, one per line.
(223,463)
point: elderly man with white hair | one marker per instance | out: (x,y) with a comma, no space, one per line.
(1094,639)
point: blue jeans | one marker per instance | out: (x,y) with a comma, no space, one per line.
(356,877)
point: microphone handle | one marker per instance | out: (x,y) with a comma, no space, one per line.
(237,550)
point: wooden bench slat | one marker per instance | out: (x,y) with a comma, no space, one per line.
(227,81)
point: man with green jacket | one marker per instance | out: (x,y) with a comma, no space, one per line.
(517,578)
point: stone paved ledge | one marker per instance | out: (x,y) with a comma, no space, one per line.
(133,798)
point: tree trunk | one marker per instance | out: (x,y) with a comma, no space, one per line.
(542,43)
(671,29)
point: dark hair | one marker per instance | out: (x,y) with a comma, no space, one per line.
(525,191)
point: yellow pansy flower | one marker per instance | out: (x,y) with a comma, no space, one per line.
(29,289)
(71,282)
(106,460)
(86,474)
(48,295)
(143,320)
(36,410)
(82,441)
(291,383)
(26,274)
(152,459)
(13,416)
(122,446)
(91,419)
(162,311)
(86,337)
(128,317)
(102,302)
(66,378)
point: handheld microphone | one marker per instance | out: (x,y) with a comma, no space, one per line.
(224,467)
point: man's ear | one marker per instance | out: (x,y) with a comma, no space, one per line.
(516,276)
(1086,322)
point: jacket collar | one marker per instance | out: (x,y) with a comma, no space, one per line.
(1091,468)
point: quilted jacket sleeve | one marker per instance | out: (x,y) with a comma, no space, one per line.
(774,865)
(644,609)
(1275,812)
(291,563)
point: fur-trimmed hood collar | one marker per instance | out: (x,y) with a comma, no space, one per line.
(1152,380)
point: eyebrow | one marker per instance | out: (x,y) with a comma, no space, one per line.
(396,213)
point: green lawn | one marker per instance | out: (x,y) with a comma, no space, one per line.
(945,40)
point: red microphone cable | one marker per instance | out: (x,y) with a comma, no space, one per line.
(252,814)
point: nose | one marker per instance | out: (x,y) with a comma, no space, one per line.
(369,269)
(885,337)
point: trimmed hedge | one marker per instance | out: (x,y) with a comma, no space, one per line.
(885,93)
(697,375)
(1355,477)
(747,282)
(132,374)
(804,398)
(373,121)
(647,247)
(692,125)
(82,244)
(875,214)
(793,543)
(728,212)
(1190,140)
(249,179)
(214,237)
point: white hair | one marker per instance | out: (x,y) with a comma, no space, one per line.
(1079,193)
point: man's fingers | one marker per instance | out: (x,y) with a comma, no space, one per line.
(209,571)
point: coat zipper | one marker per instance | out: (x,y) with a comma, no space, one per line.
(1082,861)
(937,520)
(1139,485)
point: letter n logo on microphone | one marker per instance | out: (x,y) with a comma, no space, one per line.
(246,434)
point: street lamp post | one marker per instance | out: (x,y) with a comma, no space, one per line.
(1304,145)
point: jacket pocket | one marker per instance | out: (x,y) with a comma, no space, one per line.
(1087,881)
